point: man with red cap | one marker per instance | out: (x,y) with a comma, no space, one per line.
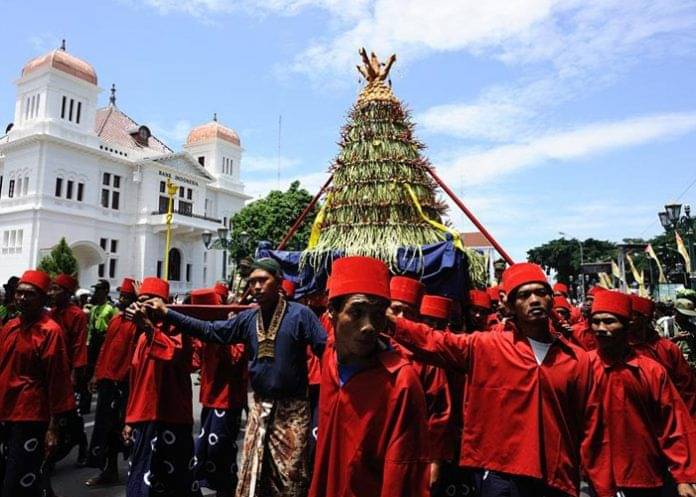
(582,331)
(406,295)
(478,311)
(646,428)
(110,382)
(276,335)
(372,426)
(435,311)
(223,396)
(36,388)
(222,290)
(73,323)
(527,392)
(646,341)
(159,414)
(497,310)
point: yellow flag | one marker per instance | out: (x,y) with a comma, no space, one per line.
(316,227)
(682,250)
(605,281)
(634,271)
(651,253)
(615,271)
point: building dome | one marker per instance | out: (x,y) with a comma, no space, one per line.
(212,131)
(63,61)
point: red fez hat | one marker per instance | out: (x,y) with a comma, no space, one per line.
(66,282)
(616,303)
(36,278)
(520,274)
(205,296)
(595,290)
(359,275)
(642,305)
(406,289)
(289,288)
(479,298)
(494,293)
(561,302)
(127,286)
(221,289)
(434,306)
(561,288)
(154,287)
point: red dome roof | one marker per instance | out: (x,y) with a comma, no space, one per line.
(63,61)
(211,131)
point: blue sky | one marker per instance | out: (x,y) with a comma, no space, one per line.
(545,116)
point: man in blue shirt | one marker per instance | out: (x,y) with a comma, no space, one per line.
(276,335)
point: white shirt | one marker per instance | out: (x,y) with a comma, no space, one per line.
(540,349)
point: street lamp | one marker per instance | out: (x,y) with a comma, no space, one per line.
(671,219)
(582,261)
(223,243)
(664,219)
(673,212)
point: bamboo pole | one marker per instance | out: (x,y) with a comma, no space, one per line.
(471,217)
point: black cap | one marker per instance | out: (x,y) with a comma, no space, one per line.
(102,284)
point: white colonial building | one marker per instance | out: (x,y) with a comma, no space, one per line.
(96,177)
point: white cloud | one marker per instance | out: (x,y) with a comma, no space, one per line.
(44,42)
(174,135)
(264,163)
(476,167)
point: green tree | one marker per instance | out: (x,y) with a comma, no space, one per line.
(269,219)
(60,260)
(563,256)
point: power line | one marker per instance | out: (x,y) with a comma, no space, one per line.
(679,197)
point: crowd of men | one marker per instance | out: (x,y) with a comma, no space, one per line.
(371,389)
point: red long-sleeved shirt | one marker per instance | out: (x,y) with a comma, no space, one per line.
(34,371)
(223,376)
(116,353)
(670,356)
(584,336)
(160,379)
(519,417)
(73,322)
(645,428)
(372,431)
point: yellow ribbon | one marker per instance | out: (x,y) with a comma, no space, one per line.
(316,226)
(456,239)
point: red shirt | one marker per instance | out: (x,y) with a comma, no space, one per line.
(117,350)
(372,431)
(160,379)
(645,428)
(223,376)
(670,356)
(34,371)
(519,417)
(313,368)
(73,322)
(584,336)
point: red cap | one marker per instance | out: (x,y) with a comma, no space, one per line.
(479,298)
(406,289)
(520,274)
(595,290)
(127,286)
(289,288)
(36,278)
(66,282)
(205,296)
(221,289)
(561,302)
(561,288)
(154,287)
(494,293)
(359,275)
(643,306)
(434,306)
(612,302)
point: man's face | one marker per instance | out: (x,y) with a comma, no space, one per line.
(30,300)
(58,295)
(532,303)
(99,295)
(264,286)
(478,316)
(125,299)
(358,324)
(610,331)
(404,310)
(563,312)
(587,305)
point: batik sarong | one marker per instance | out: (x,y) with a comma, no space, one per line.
(21,458)
(274,459)
(216,449)
(112,397)
(162,461)
(71,433)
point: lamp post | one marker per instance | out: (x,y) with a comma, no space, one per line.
(671,219)
(171,191)
(582,261)
(224,243)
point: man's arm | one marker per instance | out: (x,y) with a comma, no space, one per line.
(439,348)
(223,332)
(314,333)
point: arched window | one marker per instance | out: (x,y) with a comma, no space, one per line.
(174,265)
